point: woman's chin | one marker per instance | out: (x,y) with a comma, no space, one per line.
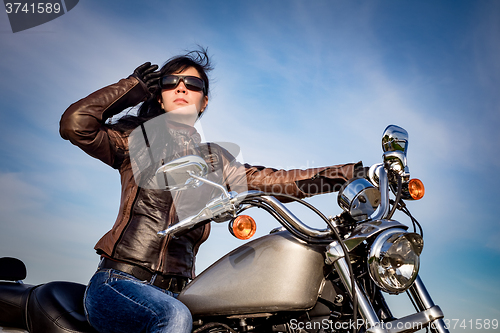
(184,114)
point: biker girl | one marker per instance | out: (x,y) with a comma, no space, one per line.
(139,273)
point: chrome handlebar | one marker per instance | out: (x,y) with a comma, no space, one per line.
(383,185)
(225,203)
(394,144)
(230,203)
(294,222)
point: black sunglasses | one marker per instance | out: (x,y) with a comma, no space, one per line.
(191,82)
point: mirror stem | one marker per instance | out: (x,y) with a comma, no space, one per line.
(222,188)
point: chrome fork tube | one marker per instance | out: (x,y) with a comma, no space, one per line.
(335,255)
(424,301)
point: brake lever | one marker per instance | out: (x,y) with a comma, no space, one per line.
(213,209)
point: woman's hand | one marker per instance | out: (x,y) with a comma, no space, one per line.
(146,73)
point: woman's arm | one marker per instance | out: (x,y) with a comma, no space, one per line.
(300,183)
(296,182)
(83,122)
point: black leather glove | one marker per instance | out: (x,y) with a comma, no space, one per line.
(360,171)
(146,73)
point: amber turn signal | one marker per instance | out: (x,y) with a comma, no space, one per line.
(416,189)
(243,227)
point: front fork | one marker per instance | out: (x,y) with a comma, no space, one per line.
(424,302)
(430,314)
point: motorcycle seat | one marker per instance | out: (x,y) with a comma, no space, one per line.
(57,307)
(13,299)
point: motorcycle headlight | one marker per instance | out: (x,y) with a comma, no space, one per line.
(394,260)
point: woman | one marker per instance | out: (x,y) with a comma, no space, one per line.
(140,274)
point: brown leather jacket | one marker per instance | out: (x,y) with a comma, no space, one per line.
(143,212)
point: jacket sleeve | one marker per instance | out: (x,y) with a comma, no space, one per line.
(296,182)
(83,122)
(300,183)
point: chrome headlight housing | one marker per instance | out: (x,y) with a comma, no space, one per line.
(394,260)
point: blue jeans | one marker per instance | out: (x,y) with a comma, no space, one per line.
(116,302)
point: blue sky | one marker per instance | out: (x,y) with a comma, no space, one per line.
(296,84)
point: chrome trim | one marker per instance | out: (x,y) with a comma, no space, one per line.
(294,221)
(383,182)
(395,138)
(376,255)
(417,241)
(178,174)
(432,315)
(421,294)
(214,184)
(368,229)
(396,161)
(413,322)
(277,229)
(336,254)
(425,302)
(251,315)
(214,208)
(359,197)
(373,173)
(224,204)
(333,253)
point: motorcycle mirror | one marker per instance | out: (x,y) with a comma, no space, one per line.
(395,146)
(178,174)
(395,138)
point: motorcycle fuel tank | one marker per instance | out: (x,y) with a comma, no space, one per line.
(273,273)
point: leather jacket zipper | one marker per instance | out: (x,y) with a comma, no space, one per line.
(162,261)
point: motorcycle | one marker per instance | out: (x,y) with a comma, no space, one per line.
(295,279)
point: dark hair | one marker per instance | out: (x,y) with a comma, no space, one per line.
(149,109)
